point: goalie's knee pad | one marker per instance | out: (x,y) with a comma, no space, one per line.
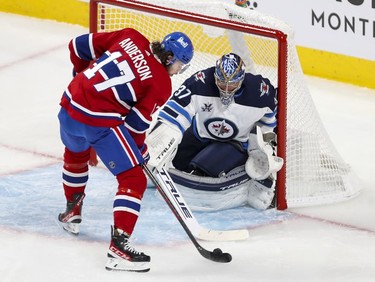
(219,158)
(261,193)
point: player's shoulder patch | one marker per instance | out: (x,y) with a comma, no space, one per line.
(264,88)
(261,84)
(200,76)
(257,92)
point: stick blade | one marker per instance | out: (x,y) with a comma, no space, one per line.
(216,255)
(224,235)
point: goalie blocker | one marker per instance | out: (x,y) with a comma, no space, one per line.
(162,143)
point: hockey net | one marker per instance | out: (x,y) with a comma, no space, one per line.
(314,173)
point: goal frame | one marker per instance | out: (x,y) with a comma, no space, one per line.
(282,56)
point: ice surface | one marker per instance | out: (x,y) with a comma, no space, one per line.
(325,243)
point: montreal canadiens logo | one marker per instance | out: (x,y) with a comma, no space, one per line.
(221,128)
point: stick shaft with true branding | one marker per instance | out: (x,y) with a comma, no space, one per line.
(165,186)
(162,142)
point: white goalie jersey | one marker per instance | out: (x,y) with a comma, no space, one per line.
(197,103)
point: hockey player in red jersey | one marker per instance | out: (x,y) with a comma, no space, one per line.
(120,80)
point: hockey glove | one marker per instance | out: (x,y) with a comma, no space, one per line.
(145,154)
(261,162)
(162,142)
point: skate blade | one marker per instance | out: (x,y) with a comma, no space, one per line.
(70,227)
(115,264)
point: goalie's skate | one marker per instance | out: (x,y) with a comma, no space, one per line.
(122,256)
(71,218)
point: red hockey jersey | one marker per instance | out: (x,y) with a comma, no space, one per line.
(118,81)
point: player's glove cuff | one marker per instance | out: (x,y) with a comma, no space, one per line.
(145,154)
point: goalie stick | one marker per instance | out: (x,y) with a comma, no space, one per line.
(175,197)
(181,210)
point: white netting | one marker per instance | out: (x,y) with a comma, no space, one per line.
(315,172)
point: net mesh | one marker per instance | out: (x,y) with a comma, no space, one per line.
(315,172)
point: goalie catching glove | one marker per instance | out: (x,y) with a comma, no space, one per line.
(261,162)
(162,144)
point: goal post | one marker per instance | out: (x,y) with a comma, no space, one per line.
(314,173)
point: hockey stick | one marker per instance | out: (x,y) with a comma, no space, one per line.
(216,255)
(175,197)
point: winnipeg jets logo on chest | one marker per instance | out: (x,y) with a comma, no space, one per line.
(221,129)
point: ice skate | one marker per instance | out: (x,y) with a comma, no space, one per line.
(71,218)
(122,256)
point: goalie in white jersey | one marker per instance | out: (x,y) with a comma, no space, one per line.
(223,120)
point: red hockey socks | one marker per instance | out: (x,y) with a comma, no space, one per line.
(75,173)
(127,203)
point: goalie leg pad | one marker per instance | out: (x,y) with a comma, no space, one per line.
(261,193)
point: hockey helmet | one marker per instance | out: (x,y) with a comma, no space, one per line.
(180,45)
(229,75)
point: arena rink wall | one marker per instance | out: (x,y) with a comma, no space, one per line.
(314,62)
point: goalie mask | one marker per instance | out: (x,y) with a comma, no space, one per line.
(229,75)
(181,46)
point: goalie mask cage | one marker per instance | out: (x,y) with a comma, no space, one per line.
(314,173)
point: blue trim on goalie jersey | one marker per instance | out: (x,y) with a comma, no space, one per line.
(82,45)
(273,114)
(269,119)
(212,187)
(271,125)
(169,119)
(245,145)
(178,109)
